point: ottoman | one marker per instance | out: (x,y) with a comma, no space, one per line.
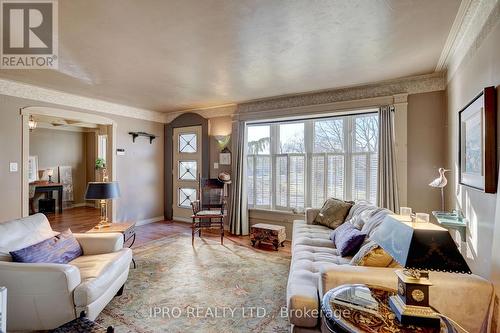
(268,233)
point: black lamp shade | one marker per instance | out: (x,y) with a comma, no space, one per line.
(102,191)
(422,246)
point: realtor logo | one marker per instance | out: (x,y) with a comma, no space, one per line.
(29,34)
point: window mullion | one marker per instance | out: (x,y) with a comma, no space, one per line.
(325,175)
(309,147)
(367,175)
(348,158)
(255,158)
(254,180)
(274,150)
(287,181)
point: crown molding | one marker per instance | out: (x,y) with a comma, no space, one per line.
(408,85)
(483,21)
(208,112)
(474,20)
(451,40)
(28,91)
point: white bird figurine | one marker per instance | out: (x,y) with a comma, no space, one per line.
(440,182)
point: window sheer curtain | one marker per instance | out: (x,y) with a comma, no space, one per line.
(387,175)
(239,205)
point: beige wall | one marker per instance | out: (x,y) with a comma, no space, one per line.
(426,148)
(56,148)
(139,172)
(480,69)
(10,151)
(218,126)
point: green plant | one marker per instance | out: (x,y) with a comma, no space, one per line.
(100,163)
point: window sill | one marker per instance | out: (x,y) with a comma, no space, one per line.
(275,212)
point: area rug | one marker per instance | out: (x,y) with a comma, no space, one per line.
(206,288)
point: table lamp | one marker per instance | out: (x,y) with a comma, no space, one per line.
(102,191)
(418,247)
(50,173)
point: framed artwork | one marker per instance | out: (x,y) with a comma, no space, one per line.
(477,142)
(225,158)
(66,178)
(33,169)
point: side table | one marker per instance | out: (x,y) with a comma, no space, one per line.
(357,308)
(126,229)
(268,233)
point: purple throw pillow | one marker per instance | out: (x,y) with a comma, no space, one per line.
(59,249)
(347,239)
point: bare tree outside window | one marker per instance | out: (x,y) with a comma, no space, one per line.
(366,133)
(329,136)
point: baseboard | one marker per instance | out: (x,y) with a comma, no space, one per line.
(81,204)
(151,220)
(182,219)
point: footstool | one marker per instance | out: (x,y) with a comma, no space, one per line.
(268,233)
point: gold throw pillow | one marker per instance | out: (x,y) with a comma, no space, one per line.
(372,255)
(376,258)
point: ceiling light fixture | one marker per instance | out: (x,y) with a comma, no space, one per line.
(32,123)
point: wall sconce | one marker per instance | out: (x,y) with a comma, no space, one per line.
(222,140)
(31,123)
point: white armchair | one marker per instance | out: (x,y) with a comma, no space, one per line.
(45,296)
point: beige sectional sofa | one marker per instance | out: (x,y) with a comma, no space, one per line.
(316,267)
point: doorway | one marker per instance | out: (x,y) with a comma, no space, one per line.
(54,171)
(177,202)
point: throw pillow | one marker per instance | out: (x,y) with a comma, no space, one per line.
(60,249)
(23,232)
(347,239)
(372,255)
(333,213)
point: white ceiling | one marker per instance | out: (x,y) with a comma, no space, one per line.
(170,55)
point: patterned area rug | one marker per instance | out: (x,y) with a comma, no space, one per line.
(205,288)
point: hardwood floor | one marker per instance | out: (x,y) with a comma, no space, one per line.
(82,219)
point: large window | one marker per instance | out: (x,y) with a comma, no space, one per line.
(298,164)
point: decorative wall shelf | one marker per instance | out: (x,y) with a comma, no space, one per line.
(452,220)
(137,134)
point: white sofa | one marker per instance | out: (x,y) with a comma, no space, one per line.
(316,267)
(45,296)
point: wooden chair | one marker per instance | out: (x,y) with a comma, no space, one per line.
(208,211)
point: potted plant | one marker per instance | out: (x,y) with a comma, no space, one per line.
(100,166)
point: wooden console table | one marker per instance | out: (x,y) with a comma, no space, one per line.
(49,188)
(126,229)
